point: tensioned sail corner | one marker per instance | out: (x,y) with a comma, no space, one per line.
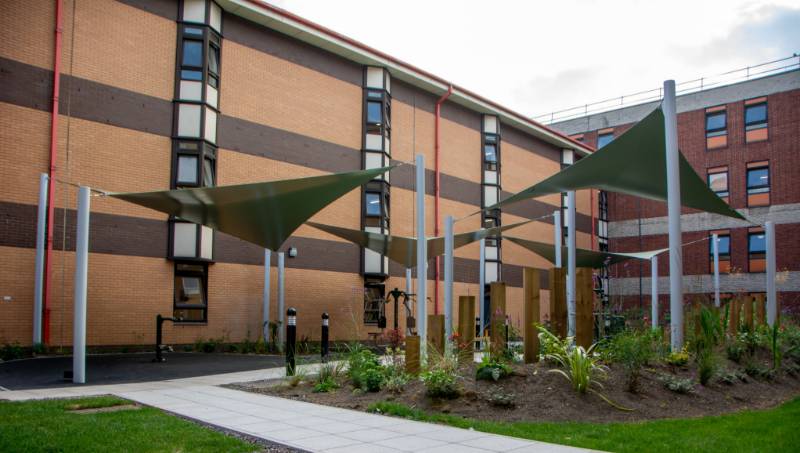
(402,249)
(635,164)
(264,213)
(583,257)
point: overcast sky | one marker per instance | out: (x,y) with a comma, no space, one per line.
(540,56)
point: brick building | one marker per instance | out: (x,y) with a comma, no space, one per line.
(160,94)
(744,138)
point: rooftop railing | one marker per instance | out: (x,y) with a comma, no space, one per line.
(769,68)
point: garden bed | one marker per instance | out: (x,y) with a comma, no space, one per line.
(540,395)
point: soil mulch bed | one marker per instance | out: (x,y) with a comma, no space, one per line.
(543,396)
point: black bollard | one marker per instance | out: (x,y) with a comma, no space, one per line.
(291,337)
(324,347)
(159,347)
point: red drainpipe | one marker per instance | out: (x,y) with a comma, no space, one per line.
(591,207)
(436,198)
(53,154)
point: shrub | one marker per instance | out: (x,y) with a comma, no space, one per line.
(440,383)
(330,372)
(732,377)
(706,365)
(373,379)
(39,348)
(396,383)
(633,350)
(492,369)
(550,344)
(325,386)
(12,351)
(499,398)
(758,371)
(678,359)
(359,361)
(441,378)
(676,384)
(709,336)
(735,350)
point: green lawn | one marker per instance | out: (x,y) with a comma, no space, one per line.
(39,426)
(774,430)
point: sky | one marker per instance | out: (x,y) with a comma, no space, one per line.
(536,57)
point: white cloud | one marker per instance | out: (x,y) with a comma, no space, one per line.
(535,57)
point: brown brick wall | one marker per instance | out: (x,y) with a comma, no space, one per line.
(299,92)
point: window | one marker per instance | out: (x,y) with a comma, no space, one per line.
(716,127)
(192,53)
(374,304)
(724,250)
(187,170)
(718,181)
(373,204)
(604,139)
(190,298)
(756,250)
(755,120)
(490,153)
(374,113)
(758,184)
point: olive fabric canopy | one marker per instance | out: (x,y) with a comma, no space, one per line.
(264,213)
(635,164)
(402,249)
(583,257)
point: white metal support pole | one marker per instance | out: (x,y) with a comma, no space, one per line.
(38,280)
(715,249)
(448,279)
(557,235)
(265,304)
(81,279)
(408,281)
(281,300)
(772,295)
(654,291)
(674,216)
(422,259)
(482,284)
(571,263)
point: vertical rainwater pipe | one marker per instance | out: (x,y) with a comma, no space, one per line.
(438,112)
(53,154)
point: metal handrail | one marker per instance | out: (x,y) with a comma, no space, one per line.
(685,87)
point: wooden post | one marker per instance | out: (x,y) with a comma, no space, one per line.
(436,332)
(497,307)
(748,312)
(733,316)
(584,307)
(558,301)
(466,323)
(412,354)
(761,314)
(530,302)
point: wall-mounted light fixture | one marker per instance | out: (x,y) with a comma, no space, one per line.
(292,252)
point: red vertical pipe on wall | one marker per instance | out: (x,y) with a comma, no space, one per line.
(591,209)
(53,154)
(436,197)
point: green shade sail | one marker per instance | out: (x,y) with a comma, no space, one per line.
(264,213)
(402,249)
(583,257)
(634,164)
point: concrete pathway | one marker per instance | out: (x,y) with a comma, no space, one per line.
(297,424)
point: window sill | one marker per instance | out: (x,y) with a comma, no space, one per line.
(190,324)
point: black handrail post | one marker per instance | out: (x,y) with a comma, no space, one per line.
(291,337)
(324,338)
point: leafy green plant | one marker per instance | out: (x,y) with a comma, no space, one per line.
(732,377)
(12,351)
(440,384)
(676,384)
(325,386)
(678,358)
(550,344)
(373,379)
(492,369)
(360,360)
(775,347)
(759,371)
(498,398)
(704,343)
(396,383)
(633,350)
(39,348)
(735,350)
(441,379)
